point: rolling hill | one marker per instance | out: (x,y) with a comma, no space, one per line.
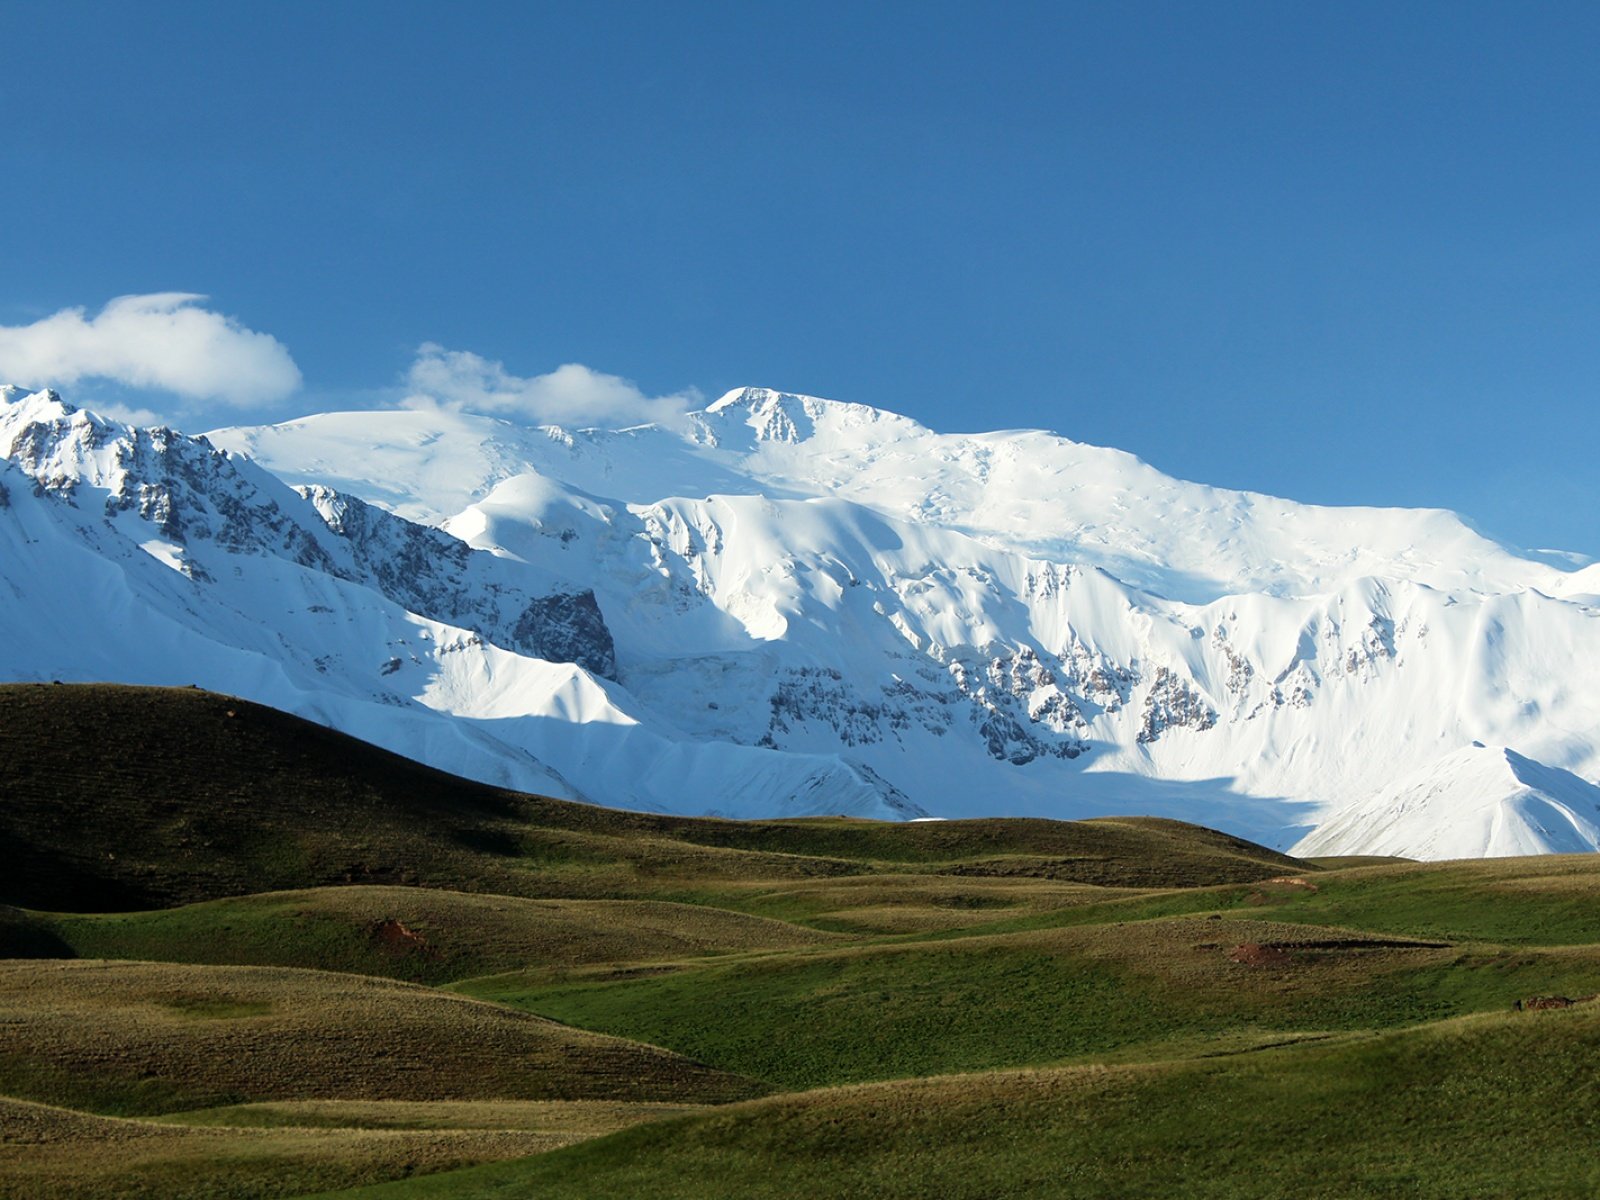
(122,798)
(517,994)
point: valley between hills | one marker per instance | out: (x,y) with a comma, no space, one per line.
(244,955)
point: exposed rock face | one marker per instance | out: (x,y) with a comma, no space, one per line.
(200,501)
(567,627)
(1014,702)
(440,576)
(1172,703)
(184,488)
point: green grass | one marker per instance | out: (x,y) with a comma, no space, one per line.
(53,1153)
(127,1038)
(1500,1105)
(419,934)
(976,1008)
(1551,900)
(575,1118)
(989,1001)
(805,1021)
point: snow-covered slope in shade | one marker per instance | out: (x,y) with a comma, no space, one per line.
(1479,801)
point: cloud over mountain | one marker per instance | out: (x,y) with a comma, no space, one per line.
(571,394)
(161,340)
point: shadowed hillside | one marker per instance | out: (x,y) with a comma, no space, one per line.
(123,798)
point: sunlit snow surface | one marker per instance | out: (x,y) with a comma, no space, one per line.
(822,607)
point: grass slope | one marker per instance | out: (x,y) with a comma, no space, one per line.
(1155,1009)
(123,798)
(574,1120)
(1150,988)
(1499,1105)
(418,934)
(908,903)
(1549,900)
(139,1038)
(52,1153)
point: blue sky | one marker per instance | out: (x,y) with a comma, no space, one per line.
(1347,253)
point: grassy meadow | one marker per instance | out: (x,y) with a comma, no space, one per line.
(244,956)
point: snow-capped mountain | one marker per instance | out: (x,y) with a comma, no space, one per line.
(145,556)
(784,604)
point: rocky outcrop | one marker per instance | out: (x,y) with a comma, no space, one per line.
(567,627)
(201,501)
(1172,703)
(436,575)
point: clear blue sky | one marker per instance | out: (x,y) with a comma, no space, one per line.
(1348,253)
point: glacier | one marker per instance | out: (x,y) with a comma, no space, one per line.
(784,605)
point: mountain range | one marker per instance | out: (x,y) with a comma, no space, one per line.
(782,605)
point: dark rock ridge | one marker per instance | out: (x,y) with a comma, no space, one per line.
(436,575)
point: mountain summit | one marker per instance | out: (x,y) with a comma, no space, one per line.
(786,605)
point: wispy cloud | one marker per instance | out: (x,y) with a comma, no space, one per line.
(571,394)
(165,341)
(129,414)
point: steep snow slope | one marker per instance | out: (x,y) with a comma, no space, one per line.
(790,604)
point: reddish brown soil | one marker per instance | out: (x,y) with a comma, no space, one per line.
(1538,1003)
(394,937)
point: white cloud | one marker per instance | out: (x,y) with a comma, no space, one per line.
(128,414)
(163,341)
(571,394)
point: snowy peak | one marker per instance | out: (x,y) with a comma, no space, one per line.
(420,463)
(146,556)
(1028,492)
(790,418)
(170,493)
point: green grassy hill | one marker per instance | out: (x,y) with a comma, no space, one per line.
(424,935)
(133,1038)
(1149,989)
(1489,1106)
(321,966)
(54,1152)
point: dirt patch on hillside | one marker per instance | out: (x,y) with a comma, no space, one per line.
(391,934)
(1540,1003)
(1261,954)
(1271,890)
